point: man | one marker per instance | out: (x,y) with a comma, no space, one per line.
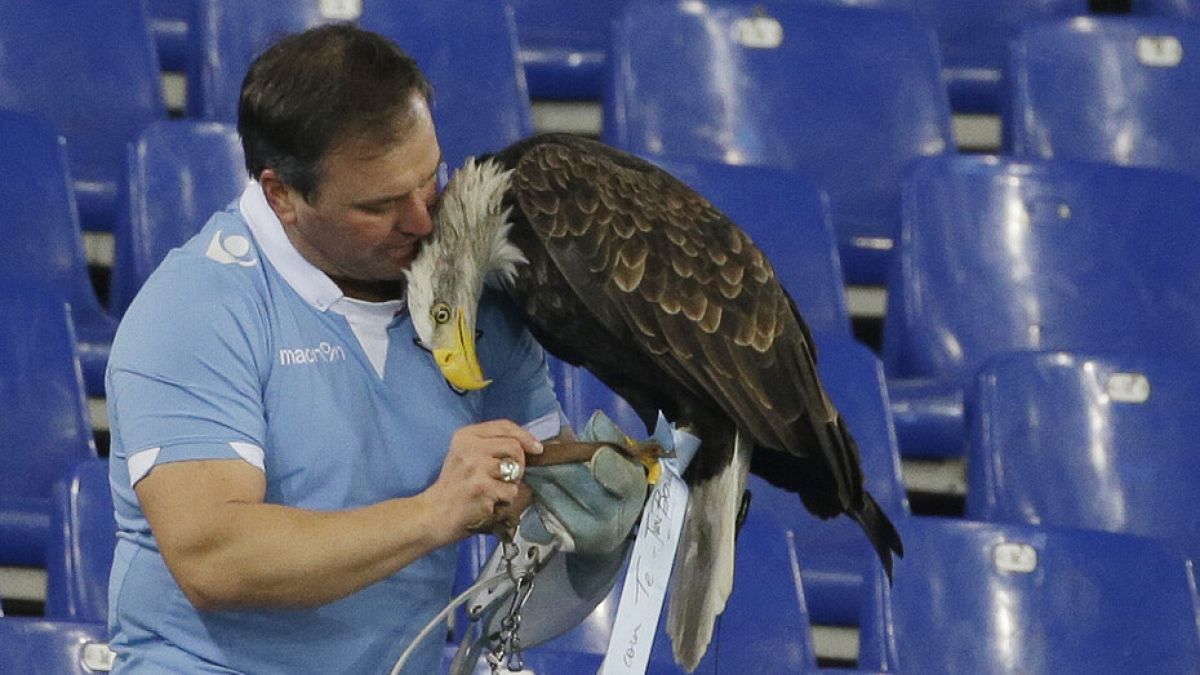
(290,470)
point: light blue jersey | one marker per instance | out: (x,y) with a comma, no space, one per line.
(237,347)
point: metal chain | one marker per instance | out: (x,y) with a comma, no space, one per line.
(507,653)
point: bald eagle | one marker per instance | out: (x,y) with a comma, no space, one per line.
(620,268)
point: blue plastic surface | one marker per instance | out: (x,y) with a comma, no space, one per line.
(1183,9)
(467,49)
(1088,441)
(998,255)
(847,96)
(42,237)
(38,647)
(169,25)
(81,546)
(180,173)
(974,35)
(1104,89)
(88,68)
(45,427)
(563,45)
(982,598)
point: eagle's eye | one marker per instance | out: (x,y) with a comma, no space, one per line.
(440,313)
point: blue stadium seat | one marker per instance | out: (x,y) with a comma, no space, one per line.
(974,35)
(788,218)
(467,49)
(1088,441)
(564,42)
(982,598)
(83,536)
(1122,90)
(563,45)
(1002,255)
(43,241)
(45,427)
(847,96)
(88,68)
(180,173)
(169,21)
(39,647)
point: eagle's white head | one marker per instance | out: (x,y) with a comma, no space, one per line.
(468,247)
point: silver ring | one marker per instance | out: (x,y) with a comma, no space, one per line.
(510,470)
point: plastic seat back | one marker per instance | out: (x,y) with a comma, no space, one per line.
(46,427)
(974,35)
(974,597)
(38,647)
(81,548)
(1000,255)
(564,45)
(43,240)
(1121,90)
(1088,441)
(89,69)
(168,20)
(466,48)
(847,96)
(180,173)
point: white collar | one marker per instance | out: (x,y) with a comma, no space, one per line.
(311,283)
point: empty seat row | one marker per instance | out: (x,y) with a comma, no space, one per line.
(99,87)
(1002,255)
(968,597)
(850,97)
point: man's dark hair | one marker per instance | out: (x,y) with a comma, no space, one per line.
(314,89)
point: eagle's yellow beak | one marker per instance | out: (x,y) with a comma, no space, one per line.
(458,362)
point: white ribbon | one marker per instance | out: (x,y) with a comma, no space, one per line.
(653,556)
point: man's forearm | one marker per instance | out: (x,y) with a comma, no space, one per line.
(265,555)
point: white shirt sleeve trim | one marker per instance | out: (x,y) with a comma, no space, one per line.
(251,453)
(140,462)
(546,426)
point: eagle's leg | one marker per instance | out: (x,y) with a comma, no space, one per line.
(703,572)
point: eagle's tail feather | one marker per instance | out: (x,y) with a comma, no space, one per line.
(703,573)
(880,531)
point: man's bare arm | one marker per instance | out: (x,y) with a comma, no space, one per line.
(227,548)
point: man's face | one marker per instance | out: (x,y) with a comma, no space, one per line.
(372,208)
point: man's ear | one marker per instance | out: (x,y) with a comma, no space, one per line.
(282,198)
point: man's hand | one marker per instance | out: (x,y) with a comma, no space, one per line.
(591,506)
(469,487)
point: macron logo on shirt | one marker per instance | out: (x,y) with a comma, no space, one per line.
(230,251)
(322,353)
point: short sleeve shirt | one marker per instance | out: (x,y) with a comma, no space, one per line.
(238,348)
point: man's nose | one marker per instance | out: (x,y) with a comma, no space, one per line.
(416,219)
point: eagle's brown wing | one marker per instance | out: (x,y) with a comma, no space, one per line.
(659,265)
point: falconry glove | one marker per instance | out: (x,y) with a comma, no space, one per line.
(589,507)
